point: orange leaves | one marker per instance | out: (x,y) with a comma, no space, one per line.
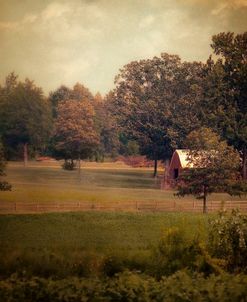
(74,127)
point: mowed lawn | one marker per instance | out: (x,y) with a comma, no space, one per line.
(98,182)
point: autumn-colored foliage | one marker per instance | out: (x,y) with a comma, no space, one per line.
(74,132)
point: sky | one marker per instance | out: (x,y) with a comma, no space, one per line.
(55,42)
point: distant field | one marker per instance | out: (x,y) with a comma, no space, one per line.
(99,182)
(40,182)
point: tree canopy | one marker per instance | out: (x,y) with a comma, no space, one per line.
(148,94)
(24,115)
(225,91)
(75,136)
(214,166)
(63,93)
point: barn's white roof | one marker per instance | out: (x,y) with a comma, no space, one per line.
(183,157)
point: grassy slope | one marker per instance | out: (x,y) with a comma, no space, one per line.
(42,182)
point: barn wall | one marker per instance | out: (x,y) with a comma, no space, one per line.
(175,164)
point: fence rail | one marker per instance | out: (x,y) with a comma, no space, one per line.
(155,206)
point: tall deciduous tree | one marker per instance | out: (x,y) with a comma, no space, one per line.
(25,117)
(225,100)
(74,134)
(148,93)
(214,166)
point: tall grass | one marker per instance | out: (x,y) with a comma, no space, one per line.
(86,243)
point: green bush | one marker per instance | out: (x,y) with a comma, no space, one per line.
(127,286)
(176,251)
(228,240)
(115,263)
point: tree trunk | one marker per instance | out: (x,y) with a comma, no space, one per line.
(79,166)
(244,166)
(204,201)
(25,154)
(166,184)
(155,167)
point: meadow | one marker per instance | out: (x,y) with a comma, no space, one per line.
(98,182)
(55,242)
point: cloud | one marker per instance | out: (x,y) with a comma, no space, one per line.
(8,25)
(61,41)
(146,21)
(55,10)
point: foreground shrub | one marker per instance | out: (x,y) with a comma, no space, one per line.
(176,251)
(228,240)
(115,263)
(127,287)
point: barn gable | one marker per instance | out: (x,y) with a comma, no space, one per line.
(178,162)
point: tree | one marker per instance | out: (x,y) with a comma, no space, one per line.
(63,93)
(225,92)
(4,186)
(214,166)
(107,126)
(25,117)
(147,95)
(74,134)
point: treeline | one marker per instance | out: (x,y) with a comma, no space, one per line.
(155,105)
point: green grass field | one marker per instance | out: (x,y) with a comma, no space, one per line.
(94,230)
(61,244)
(102,182)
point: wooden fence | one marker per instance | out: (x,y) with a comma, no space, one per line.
(135,206)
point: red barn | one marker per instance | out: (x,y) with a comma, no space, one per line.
(178,162)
